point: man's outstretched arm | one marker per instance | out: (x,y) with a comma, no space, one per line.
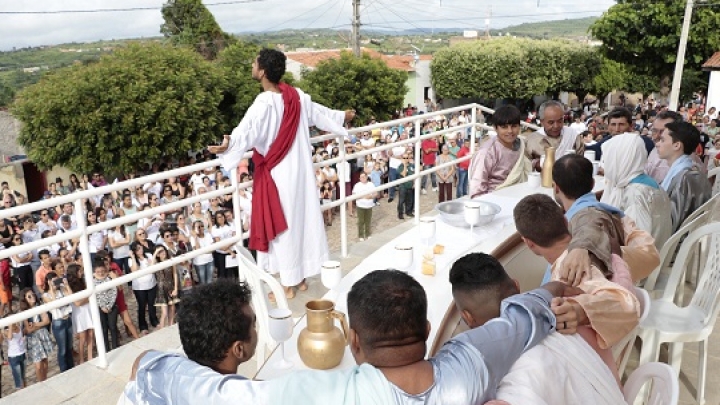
(169,378)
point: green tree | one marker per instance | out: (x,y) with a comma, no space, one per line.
(241,89)
(611,76)
(134,106)
(190,23)
(366,84)
(513,68)
(645,34)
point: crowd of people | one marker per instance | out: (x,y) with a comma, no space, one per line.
(57,269)
(379,168)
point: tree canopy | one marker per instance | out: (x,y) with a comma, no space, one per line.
(513,68)
(645,35)
(138,104)
(190,23)
(366,84)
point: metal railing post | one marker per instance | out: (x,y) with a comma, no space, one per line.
(473,130)
(81,215)
(234,182)
(343,206)
(418,168)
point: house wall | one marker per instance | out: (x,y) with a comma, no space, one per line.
(14,174)
(416,83)
(713,95)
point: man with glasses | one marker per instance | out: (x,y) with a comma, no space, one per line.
(45,223)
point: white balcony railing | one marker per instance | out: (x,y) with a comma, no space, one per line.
(83,230)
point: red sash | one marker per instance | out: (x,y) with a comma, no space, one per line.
(268,220)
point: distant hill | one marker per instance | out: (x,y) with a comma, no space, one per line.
(577,27)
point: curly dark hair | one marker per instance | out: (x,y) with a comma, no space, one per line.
(211,319)
(273,63)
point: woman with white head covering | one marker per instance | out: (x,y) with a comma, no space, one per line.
(629,188)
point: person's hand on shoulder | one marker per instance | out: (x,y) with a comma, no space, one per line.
(568,315)
(574,267)
(136,365)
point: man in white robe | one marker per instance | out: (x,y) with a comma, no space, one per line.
(553,133)
(631,190)
(298,252)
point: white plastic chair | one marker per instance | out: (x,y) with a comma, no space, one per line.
(255,278)
(665,387)
(669,323)
(716,185)
(622,349)
(657,281)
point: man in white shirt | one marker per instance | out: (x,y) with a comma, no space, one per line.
(395,162)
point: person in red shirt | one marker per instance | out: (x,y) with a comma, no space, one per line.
(114,272)
(462,171)
(429,149)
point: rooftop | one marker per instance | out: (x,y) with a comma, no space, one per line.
(313,58)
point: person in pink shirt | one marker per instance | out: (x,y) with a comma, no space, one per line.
(501,161)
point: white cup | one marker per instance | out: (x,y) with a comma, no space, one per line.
(590,155)
(596,165)
(427,227)
(330,274)
(472,212)
(534,180)
(403,256)
(542,161)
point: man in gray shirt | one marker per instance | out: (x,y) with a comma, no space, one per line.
(388,333)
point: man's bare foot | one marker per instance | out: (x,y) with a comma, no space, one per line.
(216,149)
(289,294)
(302,286)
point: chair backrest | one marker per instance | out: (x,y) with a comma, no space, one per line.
(708,289)
(621,350)
(665,388)
(716,184)
(701,210)
(255,278)
(670,248)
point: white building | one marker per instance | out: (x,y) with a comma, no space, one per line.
(419,81)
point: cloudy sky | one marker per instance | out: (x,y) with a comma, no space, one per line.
(45,22)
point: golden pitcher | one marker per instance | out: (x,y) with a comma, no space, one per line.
(547,167)
(321,344)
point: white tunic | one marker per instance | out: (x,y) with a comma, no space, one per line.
(300,251)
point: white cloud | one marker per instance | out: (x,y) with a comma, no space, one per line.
(22,30)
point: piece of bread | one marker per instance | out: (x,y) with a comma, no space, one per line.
(438,249)
(428,267)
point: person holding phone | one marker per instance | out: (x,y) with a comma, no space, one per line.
(16,353)
(144,288)
(39,345)
(61,326)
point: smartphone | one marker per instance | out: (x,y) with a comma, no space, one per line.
(58,282)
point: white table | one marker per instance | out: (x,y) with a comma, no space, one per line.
(457,242)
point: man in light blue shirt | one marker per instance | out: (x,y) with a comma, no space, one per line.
(388,334)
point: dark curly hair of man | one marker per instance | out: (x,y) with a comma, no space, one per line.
(273,63)
(211,319)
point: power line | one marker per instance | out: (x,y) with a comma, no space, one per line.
(114,10)
(294,18)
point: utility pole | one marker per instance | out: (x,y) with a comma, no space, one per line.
(488,15)
(356,28)
(680,61)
